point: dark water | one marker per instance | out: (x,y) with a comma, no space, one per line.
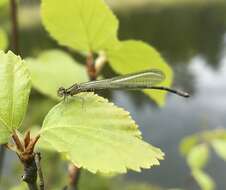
(193,41)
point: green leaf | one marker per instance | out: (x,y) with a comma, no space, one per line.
(3,40)
(198,156)
(91,181)
(205,182)
(4,135)
(15,89)
(21,186)
(187,144)
(132,56)
(38,107)
(83,25)
(53,69)
(130,185)
(220,148)
(98,136)
(2,3)
(41,145)
(210,135)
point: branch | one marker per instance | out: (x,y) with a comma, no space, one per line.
(90,66)
(39,168)
(25,152)
(14,27)
(30,174)
(74,174)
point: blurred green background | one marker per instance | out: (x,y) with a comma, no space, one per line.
(191,36)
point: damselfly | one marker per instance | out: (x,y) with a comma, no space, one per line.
(142,80)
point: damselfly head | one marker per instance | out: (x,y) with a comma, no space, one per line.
(61,92)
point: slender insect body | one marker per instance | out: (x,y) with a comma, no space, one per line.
(142,80)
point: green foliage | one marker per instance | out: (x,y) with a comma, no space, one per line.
(22,186)
(3,38)
(54,170)
(98,136)
(132,56)
(4,134)
(53,69)
(205,182)
(87,129)
(187,144)
(75,121)
(42,145)
(92,27)
(38,107)
(89,181)
(196,149)
(83,25)
(15,84)
(219,146)
(2,3)
(198,156)
(137,186)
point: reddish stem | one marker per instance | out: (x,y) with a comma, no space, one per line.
(90,66)
(73,173)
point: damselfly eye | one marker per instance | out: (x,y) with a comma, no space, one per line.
(61,92)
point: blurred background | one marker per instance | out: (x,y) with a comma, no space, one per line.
(191,36)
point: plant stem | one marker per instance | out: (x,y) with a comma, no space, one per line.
(74,174)
(26,154)
(2,155)
(90,67)
(30,174)
(32,186)
(14,27)
(39,168)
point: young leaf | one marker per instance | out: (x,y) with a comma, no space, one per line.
(83,25)
(3,40)
(219,146)
(187,144)
(198,156)
(15,89)
(205,182)
(98,136)
(132,56)
(54,69)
